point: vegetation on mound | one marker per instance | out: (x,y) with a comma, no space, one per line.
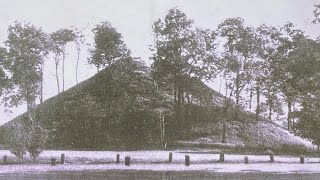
(128,105)
(83,117)
(122,111)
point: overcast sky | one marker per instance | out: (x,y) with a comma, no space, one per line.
(134,19)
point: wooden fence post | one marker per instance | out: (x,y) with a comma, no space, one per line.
(170,157)
(246,160)
(221,159)
(118,158)
(5,159)
(127,160)
(301,159)
(187,160)
(271,157)
(53,161)
(62,160)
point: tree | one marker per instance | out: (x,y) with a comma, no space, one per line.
(79,42)
(59,40)
(3,76)
(26,51)
(238,54)
(308,124)
(268,42)
(109,51)
(181,52)
(305,72)
(17,140)
(108,46)
(316,14)
(284,65)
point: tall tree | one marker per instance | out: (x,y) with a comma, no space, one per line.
(108,46)
(109,51)
(308,124)
(239,49)
(3,76)
(305,71)
(59,40)
(181,51)
(79,40)
(268,42)
(26,51)
(283,64)
(316,14)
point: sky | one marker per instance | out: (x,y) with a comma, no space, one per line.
(134,19)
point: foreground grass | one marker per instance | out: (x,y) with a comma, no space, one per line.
(115,174)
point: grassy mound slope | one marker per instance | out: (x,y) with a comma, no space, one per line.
(119,108)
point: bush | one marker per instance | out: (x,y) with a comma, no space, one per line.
(37,140)
(25,137)
(16,140)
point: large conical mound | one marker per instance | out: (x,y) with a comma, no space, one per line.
(121,107)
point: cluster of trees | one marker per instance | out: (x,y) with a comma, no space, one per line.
(276,65)
(22,63)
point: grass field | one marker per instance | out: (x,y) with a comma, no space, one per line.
(152,175)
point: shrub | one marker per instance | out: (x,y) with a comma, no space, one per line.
(16,140)
(25,137)
(37,139)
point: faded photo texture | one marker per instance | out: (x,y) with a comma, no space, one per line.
(160,89)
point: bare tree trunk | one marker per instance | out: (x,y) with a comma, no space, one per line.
(30,108)
(270,112)
(220,85)
(289,114)
(63,61)
(237,95)
(179,103)
(78,57)
(162,130)
(293,124)
(227,101)
(270,104)
(226,92)
(258,102)
(188,112)
(223,140)
(237,90)
(41,84)
(292,118)
(251,96)
(175,89)
(41,92)
(188,99)
(57,75)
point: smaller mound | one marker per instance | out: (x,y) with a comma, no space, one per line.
(258,136)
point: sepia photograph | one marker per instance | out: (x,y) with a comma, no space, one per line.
(160,89)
